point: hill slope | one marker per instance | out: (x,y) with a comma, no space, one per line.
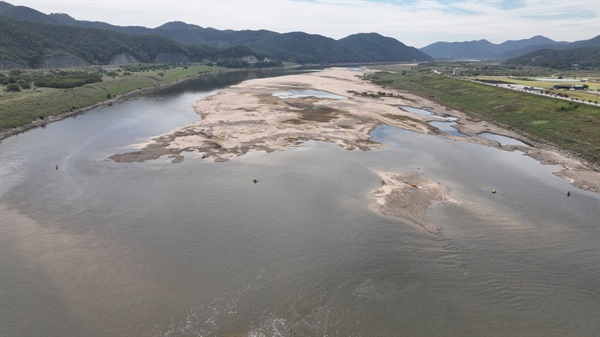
(184,39)
(584,58)
(373,47)
(34,44)
(484,49)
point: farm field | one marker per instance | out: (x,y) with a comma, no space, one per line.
(591,94)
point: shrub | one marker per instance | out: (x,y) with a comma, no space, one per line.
(13,87)
(14,72)
(23,84)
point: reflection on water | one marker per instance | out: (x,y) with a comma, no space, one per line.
(503,140)
(428,113)
(447,127)
(99,248)
(420,111)
(445,124)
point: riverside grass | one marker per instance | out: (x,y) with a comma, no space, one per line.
(21,108)
(570,125)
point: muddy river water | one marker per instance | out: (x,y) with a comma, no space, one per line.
(92,247)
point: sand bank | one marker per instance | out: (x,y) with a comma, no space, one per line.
(408,195)
(272,114)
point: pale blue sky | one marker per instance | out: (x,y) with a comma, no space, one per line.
(414,22)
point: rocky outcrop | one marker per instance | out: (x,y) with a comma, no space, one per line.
(122,59)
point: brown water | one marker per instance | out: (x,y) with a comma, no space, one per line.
(98,248)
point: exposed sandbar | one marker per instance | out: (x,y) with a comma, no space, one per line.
(249,116)
(254,116)
(408,195)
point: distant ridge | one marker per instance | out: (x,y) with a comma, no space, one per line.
(190,41)
(485,50)
(579,54)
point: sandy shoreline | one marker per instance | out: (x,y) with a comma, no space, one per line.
(265,115)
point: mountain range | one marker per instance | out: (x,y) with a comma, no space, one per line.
(51,40)
(47,36)
(485,50)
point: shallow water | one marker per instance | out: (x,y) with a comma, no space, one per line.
(100,248)
(426,112)
(420,111)
(503,140)
(447,127)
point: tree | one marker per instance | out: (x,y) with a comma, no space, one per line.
(14,72)
(23,84)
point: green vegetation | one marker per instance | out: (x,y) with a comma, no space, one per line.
(37,40)
(589,95)
(39,45)
(18,108)
(585,58)
(52,79)
(568,124)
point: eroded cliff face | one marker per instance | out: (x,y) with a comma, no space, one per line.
(123,59)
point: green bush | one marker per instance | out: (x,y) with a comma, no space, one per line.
(13,87)
(14,72)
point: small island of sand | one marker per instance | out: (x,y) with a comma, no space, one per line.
(408,195)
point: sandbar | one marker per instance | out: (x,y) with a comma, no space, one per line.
(255,116)
(408,195)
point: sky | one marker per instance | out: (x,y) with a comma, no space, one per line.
(416,23)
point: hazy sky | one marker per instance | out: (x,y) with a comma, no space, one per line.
(414,22)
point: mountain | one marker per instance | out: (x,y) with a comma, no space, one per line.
(35,43)
(189,34)
(581,54)
(483,49)
(44,45)
(537,40)
(377,48)
(23,13)
(192,39)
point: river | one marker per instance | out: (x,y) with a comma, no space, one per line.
(91,247)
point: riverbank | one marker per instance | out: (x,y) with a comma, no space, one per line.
(37,107)
(543,121)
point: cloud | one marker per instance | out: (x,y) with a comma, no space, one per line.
(512,4)
(414,22)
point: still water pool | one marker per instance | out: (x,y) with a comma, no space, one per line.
(90,247)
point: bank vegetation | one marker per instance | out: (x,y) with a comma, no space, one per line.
(32,98)
(568,124)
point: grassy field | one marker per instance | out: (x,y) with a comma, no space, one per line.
(21,108)
(590,95)
(570,125)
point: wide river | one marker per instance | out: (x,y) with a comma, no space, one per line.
(91,247)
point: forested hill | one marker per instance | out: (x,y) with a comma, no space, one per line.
(42,45)
(48,36)
(509,50)
(584,58)
(484,49)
